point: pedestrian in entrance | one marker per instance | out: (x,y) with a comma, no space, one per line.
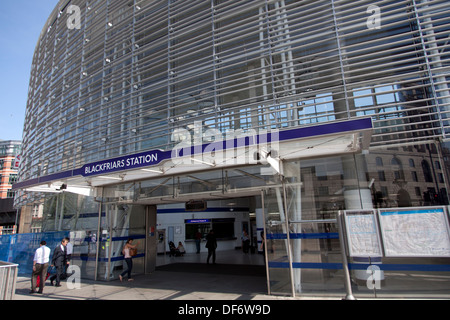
(211,244)
(128,259)
(59,260)
(198,239)
(263,245)
(245,241)
(181,248)
(40,266)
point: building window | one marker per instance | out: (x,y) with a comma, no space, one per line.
(12,178)
(426,171)
(7,230)
(379,161)
(316,109)
(397,168)
(437,165)
(384,191)
(201,225)
(35,211)
(323,191)
(418,192)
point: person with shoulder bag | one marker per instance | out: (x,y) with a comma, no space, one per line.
(59,261)
(40,265)
(129,251)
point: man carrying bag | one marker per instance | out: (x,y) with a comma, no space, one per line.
(59,260)
(40,265)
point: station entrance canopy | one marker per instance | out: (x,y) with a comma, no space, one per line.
(244,148)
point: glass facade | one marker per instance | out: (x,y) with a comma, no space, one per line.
(112,78)
(136,71)
(304,254)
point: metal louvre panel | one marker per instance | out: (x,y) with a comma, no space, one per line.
(434,28)
(395,62)
(138,70)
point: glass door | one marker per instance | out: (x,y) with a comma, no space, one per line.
(277,248)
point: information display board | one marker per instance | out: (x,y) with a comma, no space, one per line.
(362,233)
(415,232)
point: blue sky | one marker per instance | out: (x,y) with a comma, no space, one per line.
(21,22)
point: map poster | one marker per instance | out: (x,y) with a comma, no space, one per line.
(362,233)
(415,232)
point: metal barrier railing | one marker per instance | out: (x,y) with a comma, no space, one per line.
(8,278)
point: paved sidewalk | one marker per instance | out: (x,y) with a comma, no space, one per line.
(160,285)
(236,277)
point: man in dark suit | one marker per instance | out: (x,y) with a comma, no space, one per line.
(59,260)
(211,244)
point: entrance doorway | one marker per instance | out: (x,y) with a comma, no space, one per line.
(309,190)
(229,218)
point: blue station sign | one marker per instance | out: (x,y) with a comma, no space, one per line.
(154,157)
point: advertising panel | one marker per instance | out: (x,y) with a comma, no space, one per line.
(362,233)
(415,232)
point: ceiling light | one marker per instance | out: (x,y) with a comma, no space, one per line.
(154,171)
(110,178)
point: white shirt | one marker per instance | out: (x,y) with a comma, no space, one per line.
(69,248)
(42,255)
(126,252)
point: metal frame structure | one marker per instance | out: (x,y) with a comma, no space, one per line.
(137,71)
(113,80)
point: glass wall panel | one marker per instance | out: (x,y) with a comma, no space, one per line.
(76,214)
(384,178)
(314,195)
(408,176)
(157,188)
(277,247)
(120,222)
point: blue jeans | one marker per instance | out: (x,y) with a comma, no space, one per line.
(129,262)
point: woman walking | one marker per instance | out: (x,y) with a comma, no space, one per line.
(128,258)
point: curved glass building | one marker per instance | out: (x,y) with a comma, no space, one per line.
(283,112)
